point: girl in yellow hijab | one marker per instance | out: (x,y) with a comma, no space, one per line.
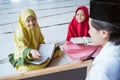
(27,38)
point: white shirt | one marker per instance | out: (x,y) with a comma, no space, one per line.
(106,65)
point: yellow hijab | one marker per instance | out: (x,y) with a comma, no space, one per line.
(26,37)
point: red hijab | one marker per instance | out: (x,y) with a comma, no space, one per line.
(77,29)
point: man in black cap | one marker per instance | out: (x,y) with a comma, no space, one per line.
(105,30)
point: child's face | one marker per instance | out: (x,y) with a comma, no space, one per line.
(99,37)
(80,16)
(31,22)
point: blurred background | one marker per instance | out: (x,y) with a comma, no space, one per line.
(53,18)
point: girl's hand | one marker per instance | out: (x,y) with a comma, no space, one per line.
(35,54)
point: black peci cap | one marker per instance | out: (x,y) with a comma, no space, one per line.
(105,10)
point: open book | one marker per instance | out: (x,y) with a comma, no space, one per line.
(46,51)
(82,40)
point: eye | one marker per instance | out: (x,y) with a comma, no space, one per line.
(28,21)
(82,14)
(34,19)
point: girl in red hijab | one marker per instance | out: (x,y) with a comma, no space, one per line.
(79,27)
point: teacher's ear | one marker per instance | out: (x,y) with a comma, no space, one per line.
(105,34)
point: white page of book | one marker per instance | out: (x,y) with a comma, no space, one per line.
(81,40)
(87,39)
(39,61)
(77,40)
(47,50)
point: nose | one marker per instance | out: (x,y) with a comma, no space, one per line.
(89,31)
(80,16)
(31,22)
